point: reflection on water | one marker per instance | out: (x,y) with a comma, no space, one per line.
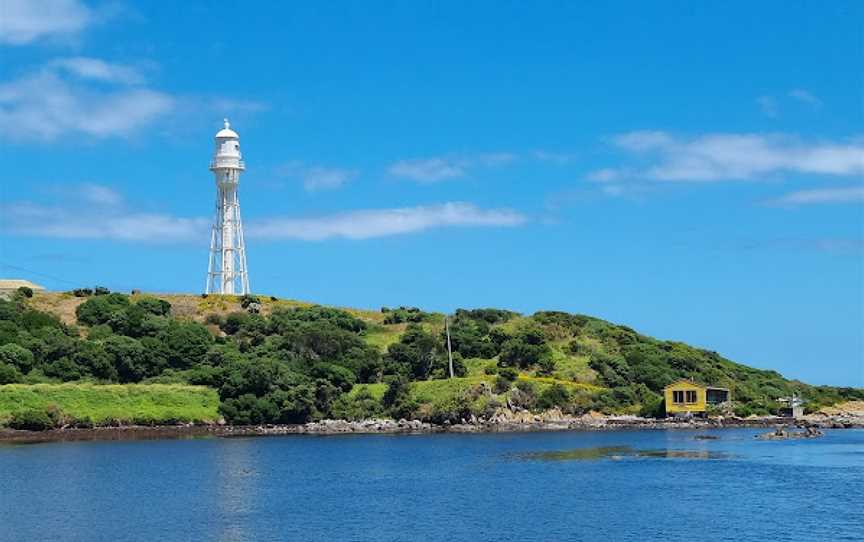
(237,477)
(618,452)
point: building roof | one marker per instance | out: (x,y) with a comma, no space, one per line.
(227,131)
(14,284)
(688,381)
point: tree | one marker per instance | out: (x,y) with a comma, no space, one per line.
(555,395)
(9,374)
(341,377)
(283,320)
(17,356)
(397,399)
(417,354)
(98,310)
(155,306)
(185,344)
(131,360)
(92,359)
(24,291)
(36,419)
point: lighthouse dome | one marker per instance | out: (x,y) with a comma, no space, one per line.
(227,132)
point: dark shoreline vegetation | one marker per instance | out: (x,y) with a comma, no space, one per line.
(255,360)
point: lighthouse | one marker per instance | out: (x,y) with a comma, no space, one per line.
(227,272)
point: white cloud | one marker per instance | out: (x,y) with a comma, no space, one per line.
(94,68)
(94,211)
(606,175)
(427,170)
(25,21)
(365,224)
(99,194)
(229,106)
(805,97)
(768,105)
(58,100)
(851,194)
(321,178)
(316,178)
(726,156)
(554,157)
(431,170)
(99,222)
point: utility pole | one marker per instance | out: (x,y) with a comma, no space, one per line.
(449,348)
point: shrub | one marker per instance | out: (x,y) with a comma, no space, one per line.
(546,366)
(506,377)
(361,406)
(403,314)
(37,419)
(247,300)
(555,395)
(502,384)
(9,374)
(16,356)
(518,352)
(25,291)
(509,373)
(524,395)
(99,310)
(155,306)
(214,319)
(101,290)
(419,354)
(396,399)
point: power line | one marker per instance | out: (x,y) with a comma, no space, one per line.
(52,277)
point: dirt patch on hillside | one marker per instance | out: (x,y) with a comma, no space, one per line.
(849,408)
(184,306)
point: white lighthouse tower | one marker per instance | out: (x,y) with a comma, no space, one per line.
(227,273)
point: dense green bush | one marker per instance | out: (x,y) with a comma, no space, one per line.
(16,356)
(403,314)
(100,309)
(360,406)
(528,348)
(555,395)
(37,419)
(24,291)
(9,374)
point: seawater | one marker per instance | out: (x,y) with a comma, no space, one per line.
(591,486)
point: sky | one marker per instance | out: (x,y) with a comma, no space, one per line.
(690,169)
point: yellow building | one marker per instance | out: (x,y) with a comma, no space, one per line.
(687,398)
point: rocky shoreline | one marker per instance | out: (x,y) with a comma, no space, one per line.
(502,422)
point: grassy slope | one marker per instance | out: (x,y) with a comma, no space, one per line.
(154,403)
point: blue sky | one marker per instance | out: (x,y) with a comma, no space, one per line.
(692,170)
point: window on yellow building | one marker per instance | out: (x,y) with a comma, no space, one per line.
(677,396)
(691,396)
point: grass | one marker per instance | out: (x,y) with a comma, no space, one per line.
(382,336)
(375,390)
(570,367)
(438,391)
(107,403)
(543,382)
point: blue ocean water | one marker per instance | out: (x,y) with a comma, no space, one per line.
(609,486)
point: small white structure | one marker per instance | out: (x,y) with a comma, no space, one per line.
(227,272)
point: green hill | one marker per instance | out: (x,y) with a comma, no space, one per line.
(283,361)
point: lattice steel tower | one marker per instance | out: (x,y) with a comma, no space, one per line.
(227,272)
